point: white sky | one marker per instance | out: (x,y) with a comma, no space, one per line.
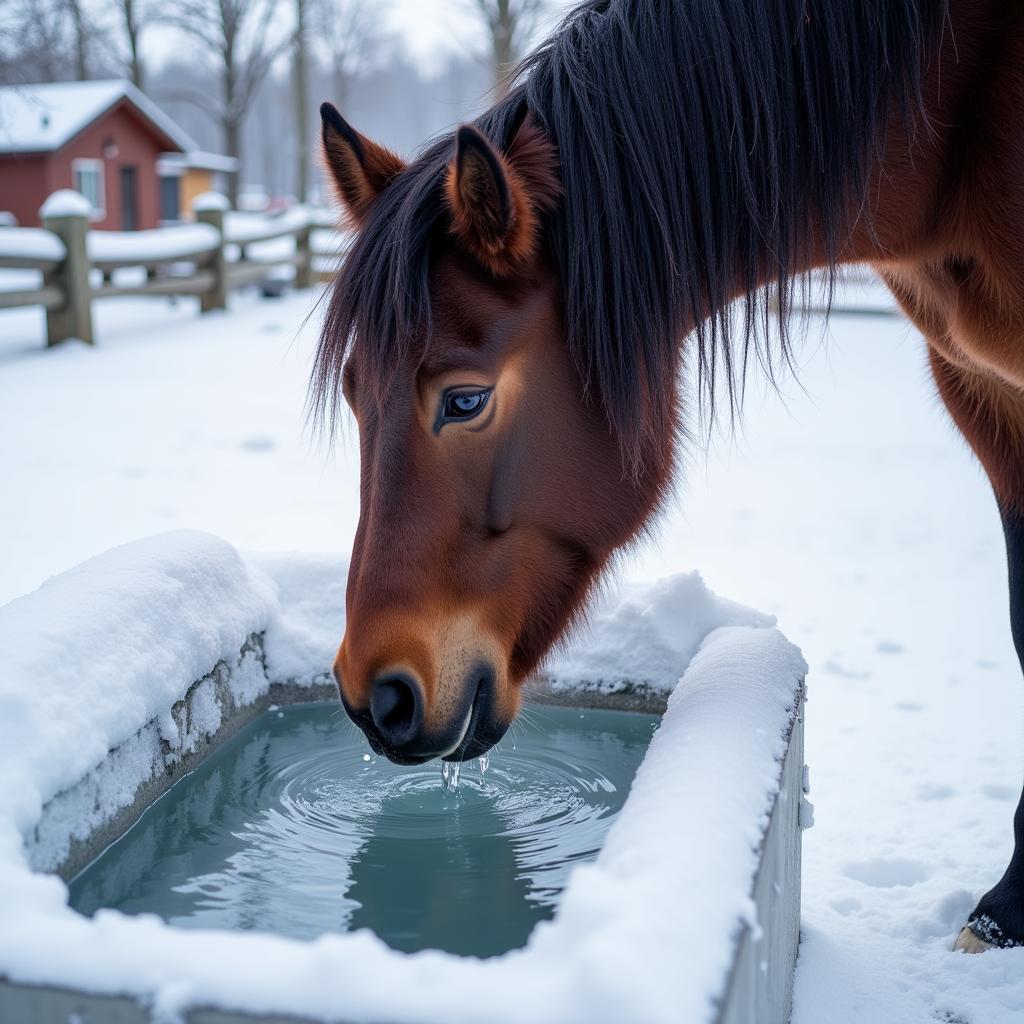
(432,30)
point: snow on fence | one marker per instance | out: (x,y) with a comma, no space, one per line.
(123,672)
(223,249)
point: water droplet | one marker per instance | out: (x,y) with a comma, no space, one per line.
(483,761)
(450,775)
(366,757)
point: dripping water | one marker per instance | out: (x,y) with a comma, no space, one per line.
(450,771)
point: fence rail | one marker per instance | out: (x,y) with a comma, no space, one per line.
(13,261)
(222,250)
(48,296)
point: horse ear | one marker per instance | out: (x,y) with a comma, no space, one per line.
(494,199)
(361,169)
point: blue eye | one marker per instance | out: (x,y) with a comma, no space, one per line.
(463,405)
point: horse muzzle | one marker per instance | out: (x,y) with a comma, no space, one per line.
(398,725)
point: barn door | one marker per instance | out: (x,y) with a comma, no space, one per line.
(129,199)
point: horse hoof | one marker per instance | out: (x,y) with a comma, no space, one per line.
(968,942)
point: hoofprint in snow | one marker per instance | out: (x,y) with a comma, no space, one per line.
(850,509)
(97,659)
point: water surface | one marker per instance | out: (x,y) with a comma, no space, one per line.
(294,827)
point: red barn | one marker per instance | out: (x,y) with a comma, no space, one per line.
(103,139)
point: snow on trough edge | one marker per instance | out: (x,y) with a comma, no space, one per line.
(156,615)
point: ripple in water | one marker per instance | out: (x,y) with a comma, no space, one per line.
(291,827)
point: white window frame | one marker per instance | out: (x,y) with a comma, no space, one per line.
(90,164)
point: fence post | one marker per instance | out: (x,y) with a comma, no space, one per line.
(210,208)
(304,251)
(66,213)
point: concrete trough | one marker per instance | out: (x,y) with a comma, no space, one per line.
(690,913)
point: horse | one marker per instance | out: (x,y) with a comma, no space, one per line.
(527,305)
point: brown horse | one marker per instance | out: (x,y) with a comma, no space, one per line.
(512,321)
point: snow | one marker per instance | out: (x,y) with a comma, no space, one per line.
(205,161)
(849,508)
(273,250)
(155,615)
(719,734)
(302,640)
(101,649)
(173,242)
(327,248)
(16,280)
(636,635)
(65,202)
(177,163)
(210,201)
(168,243)
(240,227)
(41,118)
(31,244)
(330,242)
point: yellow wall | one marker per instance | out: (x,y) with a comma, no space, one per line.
(193,183)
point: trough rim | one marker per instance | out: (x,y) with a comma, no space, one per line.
(634,697)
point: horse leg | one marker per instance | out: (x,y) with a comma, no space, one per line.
(998,919)
(990,414)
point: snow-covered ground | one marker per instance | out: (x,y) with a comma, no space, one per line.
(853,512)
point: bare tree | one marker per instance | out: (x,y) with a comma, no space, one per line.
(239,38)
(81,30)
(509,25)
(47,40)
(132,17)
(350,39)
(301,94)
(33,42)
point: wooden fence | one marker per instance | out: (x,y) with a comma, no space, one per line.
(223,249)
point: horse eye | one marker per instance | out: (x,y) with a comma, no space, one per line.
(463,405)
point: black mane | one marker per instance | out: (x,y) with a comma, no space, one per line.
(698,140)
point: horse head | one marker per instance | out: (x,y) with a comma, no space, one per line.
(493,489)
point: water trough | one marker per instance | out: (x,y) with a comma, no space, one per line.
(689,913)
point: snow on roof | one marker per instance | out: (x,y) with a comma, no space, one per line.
(204,161)
(210,201)
(42,118)
(176,164)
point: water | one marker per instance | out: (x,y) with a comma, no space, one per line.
(292,828)
(450,772)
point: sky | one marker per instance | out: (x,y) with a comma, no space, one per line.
(430,31)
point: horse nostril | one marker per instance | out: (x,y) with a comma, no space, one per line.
(396,709)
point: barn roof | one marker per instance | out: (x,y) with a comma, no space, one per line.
(42,118)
